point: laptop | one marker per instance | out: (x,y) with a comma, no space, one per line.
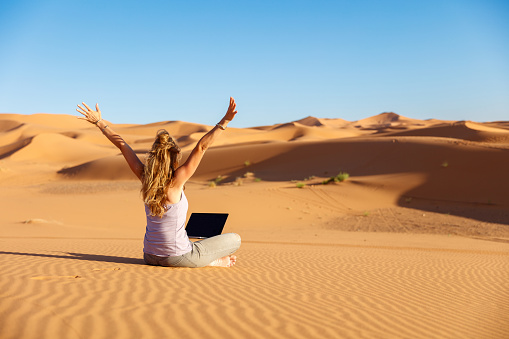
(205,225)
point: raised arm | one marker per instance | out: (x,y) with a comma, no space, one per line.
(184,172)
(94,117)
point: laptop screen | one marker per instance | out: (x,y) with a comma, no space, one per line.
(205,225)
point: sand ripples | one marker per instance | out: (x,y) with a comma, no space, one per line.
(276,290)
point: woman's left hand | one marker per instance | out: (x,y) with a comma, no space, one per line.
(230,113)
(91,116)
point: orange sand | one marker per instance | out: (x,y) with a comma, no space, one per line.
(415,244)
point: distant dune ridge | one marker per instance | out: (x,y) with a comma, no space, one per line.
(476,153)
(463,161)
(413,244)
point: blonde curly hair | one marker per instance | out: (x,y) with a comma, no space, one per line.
(160,166)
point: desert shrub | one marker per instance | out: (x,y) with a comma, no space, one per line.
(219,179)
(300,185)
(216,181)
(342,176)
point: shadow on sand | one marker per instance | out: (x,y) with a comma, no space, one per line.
(82,256)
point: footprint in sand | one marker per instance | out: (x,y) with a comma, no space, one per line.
(54,277)
(50,277)
(41,221)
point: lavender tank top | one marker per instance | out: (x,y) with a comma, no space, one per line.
(167,236)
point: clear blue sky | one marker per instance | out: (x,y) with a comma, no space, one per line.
(148,61)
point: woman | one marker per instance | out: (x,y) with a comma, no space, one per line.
(166,242)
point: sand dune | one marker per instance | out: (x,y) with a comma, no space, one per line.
(109,168)
(46,120)
(42,149)
(312,121)
(471,170)
(175,128)
(389,120)
(498,124)
(7,125)
(461,130)
(295,131)
(414,244)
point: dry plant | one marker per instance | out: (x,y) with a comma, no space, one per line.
(216,181)
(342,176)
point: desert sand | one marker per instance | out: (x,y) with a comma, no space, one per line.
(413,244)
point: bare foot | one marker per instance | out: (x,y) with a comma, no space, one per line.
(227,261)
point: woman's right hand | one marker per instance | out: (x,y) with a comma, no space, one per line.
(90,115)
(230,113)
